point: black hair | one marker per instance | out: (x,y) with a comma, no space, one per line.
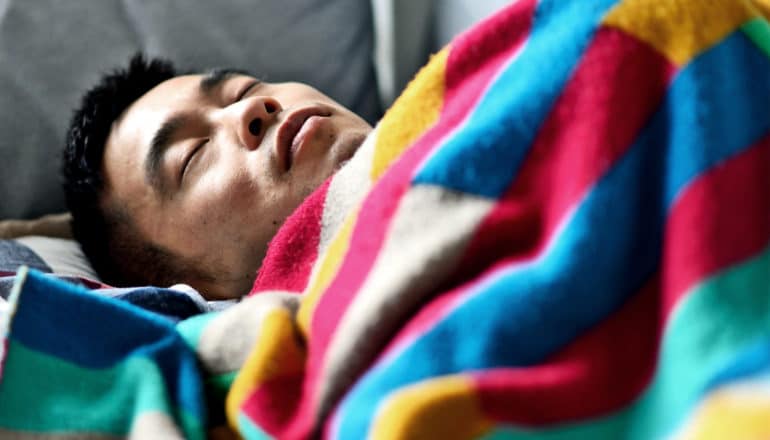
(107,233)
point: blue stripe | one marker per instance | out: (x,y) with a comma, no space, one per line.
(752,361)
(69,322)
(723,109)
(639,421)
(500,131)
(609,247)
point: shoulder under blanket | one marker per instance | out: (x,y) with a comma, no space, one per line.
(560,230)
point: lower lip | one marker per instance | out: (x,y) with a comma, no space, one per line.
(305,133)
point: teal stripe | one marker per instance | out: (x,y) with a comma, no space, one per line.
(217,386)
(48,395)
(723,316)
(192,328)
(758,31)
(249,430)
(45,320)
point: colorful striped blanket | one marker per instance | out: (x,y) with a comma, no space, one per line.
(561,229)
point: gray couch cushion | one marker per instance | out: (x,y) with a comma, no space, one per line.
(52,50)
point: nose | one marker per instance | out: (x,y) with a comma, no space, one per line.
(257,114)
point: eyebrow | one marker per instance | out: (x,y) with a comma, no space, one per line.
(161,140)
(216,77)
(160,143)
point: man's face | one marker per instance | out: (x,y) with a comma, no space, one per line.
(209,166)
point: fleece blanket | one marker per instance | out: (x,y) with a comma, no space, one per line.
(560,230)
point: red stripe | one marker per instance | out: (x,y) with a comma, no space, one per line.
(579,141)
(272,405)
(722,218)
(294,248)
(379,207)
(601,371)
(593,123)
(470,68)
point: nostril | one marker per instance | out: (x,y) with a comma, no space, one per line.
(255,127)
(270,107)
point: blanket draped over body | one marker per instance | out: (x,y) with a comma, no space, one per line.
(560,230)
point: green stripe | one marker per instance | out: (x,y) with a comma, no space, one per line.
(718,318)
(217,388)
(220,384)
(44,394)
(758,30)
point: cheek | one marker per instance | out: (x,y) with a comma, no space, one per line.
(230,193)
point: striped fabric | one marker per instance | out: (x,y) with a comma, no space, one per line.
(560,230)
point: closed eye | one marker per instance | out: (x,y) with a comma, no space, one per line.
(246,90)
(191,156)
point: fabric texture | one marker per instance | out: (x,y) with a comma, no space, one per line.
(560,230)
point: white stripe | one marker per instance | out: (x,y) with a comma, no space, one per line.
(428,236)
(346,190)
(154,425)
(229,338)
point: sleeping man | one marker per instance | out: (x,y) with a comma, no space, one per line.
(186,178)
(563,233)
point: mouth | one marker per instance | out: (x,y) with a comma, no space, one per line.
(294,131)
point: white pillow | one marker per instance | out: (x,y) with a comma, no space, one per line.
(63,256)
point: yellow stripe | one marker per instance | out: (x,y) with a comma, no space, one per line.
(680,29)
(443,408)
(732,413)
(330,263)
(412,114)
(764,7)
(414,111)
(275,353)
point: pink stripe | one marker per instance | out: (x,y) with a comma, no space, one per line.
(568,156)
(580,140)
(722,218)
(470,68)
(272,405)
(463,89)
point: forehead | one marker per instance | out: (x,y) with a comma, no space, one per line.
(142,117)
(131,134)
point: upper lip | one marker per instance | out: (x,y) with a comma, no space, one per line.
(289,128)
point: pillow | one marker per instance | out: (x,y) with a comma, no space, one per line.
(51,51)
(14,254)
(63,259)
(60,256)
(44,244)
